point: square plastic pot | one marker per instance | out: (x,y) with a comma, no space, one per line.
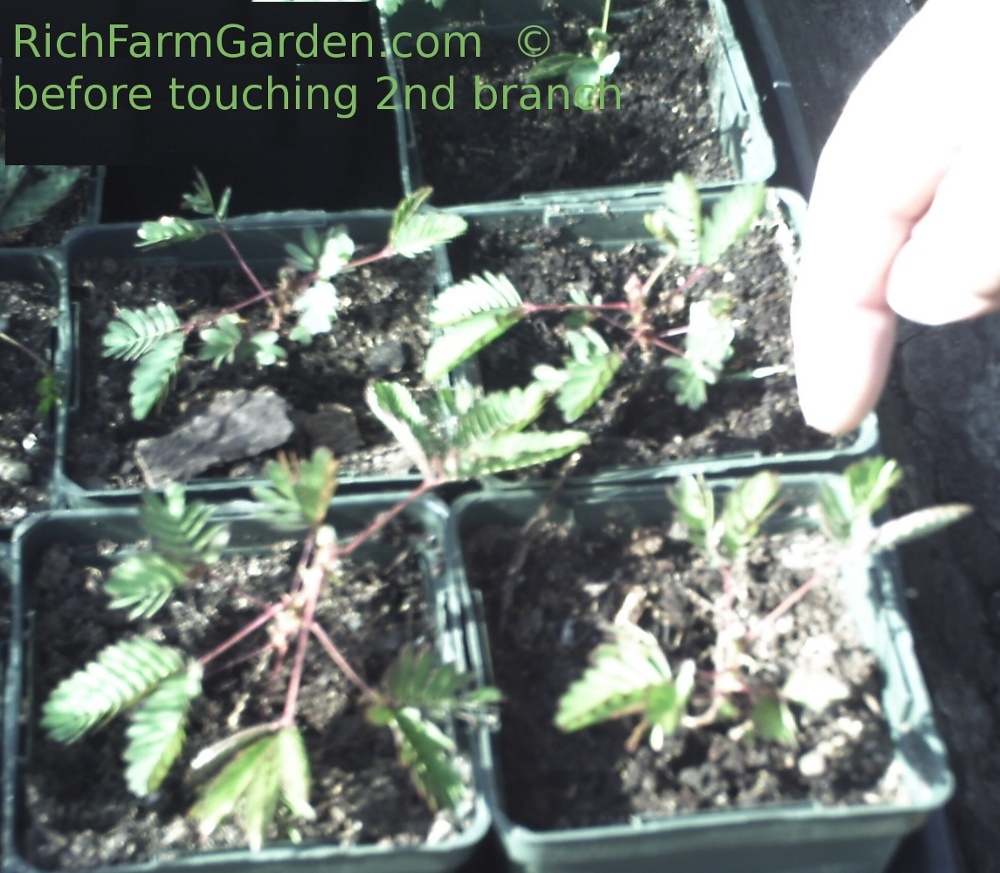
(793,838)
(82,530)
(261,239)
(733,96)
(614,227)
(45,268)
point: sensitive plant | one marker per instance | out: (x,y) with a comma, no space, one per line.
(303,303)
(477,311)
(631,675)
(583,73)
(259,773)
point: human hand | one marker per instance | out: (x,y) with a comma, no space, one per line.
(904,216)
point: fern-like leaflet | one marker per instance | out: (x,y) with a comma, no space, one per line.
(155,680)
(183,541)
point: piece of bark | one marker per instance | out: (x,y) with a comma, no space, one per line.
(236,424)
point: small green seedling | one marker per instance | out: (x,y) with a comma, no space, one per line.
(390,7)
(630,674)
(584,74)
(479,310)
(47,388)
(304,303)
(27,193)
(257,770)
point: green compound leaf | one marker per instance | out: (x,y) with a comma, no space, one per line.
(221,343)
(629,675)
(707,347)
(317,308)
(427,752)
(678,223)
(181,531)
(157,733)
(695,505)
(471,315)
(137,331)
(745,509)
(202,201)
(413,232)
(773,720)
(732,216)
(586,375)
(152,375)
(300,491)
(23,203)
(918,524)
(556,66)
(117,679)
(143,583)
(416,679)
(169,230)
(271,770)
(515,451)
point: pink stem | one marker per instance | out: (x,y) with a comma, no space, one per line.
(244,632)
(337,657)
(384,518)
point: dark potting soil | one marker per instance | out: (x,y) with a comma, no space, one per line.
(665,122)
(28,315)
(568,592)
(68,213)
(380,333)
(76,810)
(638,420)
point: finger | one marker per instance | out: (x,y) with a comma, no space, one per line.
(877,177)
(949,268)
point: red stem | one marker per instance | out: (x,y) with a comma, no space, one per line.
(244,632)
(786,604)
(384,518)
(340,660)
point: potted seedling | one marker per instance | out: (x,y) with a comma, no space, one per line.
(660,329)
(257,333)
(751,699)
(33,360)
(588,98)
(243,650)
(159,673)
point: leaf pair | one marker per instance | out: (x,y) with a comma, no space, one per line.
(183,541)
(696,238)
(464,437)
(156,682)
(726,537)
(418,692)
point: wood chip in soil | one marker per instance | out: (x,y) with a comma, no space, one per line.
(380,333)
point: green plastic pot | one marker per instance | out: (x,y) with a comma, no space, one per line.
(797,838)
(734,99)
(261,239)
(83,530)
(614,227)
(44,267)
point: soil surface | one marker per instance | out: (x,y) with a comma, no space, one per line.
(27,315)
(568,592)
(638,421)
(664,124)
(380,334)
(75,808)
